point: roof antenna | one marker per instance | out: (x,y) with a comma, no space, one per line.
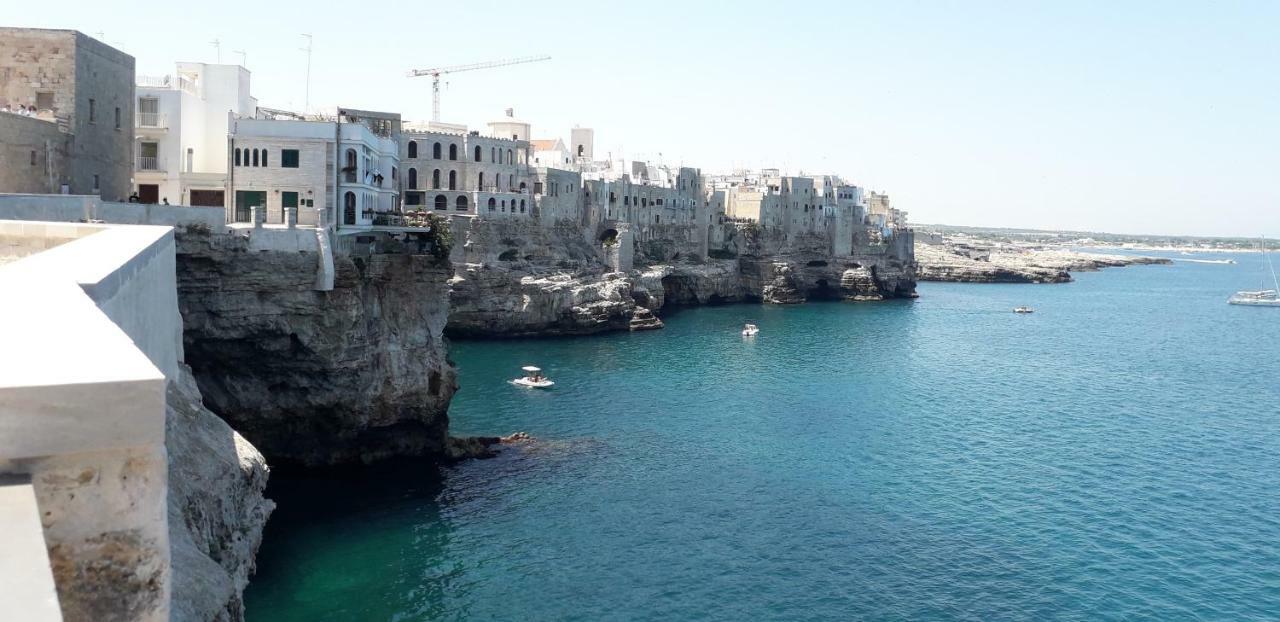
(217,48)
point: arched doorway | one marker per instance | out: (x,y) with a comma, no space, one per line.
(349,208)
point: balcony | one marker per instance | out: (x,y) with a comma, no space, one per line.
(149,163)
(152,120)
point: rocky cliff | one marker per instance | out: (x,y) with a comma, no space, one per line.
(989,262)
(517,278)
(216,507)
(355,374)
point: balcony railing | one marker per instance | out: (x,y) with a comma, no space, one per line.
(148,163)
(152,119)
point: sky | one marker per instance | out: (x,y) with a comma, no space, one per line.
(1128,117)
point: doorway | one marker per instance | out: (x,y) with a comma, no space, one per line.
(148,193)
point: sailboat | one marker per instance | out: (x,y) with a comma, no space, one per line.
(1263,297)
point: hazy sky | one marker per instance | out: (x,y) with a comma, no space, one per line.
(1159,117)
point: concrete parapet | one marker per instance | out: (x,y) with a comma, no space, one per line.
(82,408)
(291,217)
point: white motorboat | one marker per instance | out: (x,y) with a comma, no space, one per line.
(532,378)
(1023,310)
(750,330)
(1263,297)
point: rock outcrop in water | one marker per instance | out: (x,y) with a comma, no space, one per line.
(519,278)
(355,374)
(216,507)
(970,261)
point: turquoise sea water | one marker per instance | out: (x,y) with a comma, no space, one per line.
(1116,455)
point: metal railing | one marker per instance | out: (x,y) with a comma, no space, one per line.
(148,163)
(152,119)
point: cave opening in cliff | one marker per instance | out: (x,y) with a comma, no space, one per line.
(822,290)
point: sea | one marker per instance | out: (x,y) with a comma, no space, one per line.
(1113,456)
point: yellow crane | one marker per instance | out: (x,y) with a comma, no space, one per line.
(436,72)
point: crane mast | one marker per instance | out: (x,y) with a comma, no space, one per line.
(436,72)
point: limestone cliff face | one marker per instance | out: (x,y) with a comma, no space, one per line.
(216,507)
(516,278)
(355,374)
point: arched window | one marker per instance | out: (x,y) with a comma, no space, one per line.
(237,156)
(510,160)
(435,151)
(255,157)
(413,148)
(453,151)
(580,147)
(453,180)
(349,208)
(442,202)
(493,204)
(644,202)
(478,153)
(480,181)
(521,206)
(264,157)
(492,157)
(504,206)
(461,203)
(435,179)
(522,186)
(413,178)
(626,200)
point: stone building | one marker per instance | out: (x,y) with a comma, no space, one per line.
(182,132)
(81,141)
(448,168)
(346,166)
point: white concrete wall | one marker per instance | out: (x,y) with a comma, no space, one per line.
(82,408)
(81,208)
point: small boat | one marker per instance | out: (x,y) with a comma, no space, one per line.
(1263,297)
(750,330)
(1023,310)
(532,378)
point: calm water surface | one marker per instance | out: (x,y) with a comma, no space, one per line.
(1114,455)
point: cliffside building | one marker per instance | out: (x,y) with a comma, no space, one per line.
(345,167)
(450,169)
(81,139)
(182,127)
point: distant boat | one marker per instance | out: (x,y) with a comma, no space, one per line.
(1263,297)
(532,378)
(750,330)
(1023,310)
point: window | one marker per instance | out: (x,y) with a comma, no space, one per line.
(288,199)
(117,117)
(289,158)
(521,206)
(413,179)
(435,151)
(461,204)
(453,152)
(255,157)
(44,100)
(478,153)
(537,187)
(442,202)
(237,156)
(509,159)
(264,157)
(453,180)
(93,111)
(493,204)
(33,157)
(492,151)
(480,180)
(95,183)
(413,148)
(435,179)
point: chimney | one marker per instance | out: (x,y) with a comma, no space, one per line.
(511,112)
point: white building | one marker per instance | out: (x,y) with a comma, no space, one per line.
(346,166)
(181,132)
(448,168)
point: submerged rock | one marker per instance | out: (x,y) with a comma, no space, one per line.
(644,319)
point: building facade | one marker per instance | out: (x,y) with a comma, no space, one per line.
(448,168)
(182,127)
(82,90)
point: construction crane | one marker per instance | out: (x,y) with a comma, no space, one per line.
(439,71)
